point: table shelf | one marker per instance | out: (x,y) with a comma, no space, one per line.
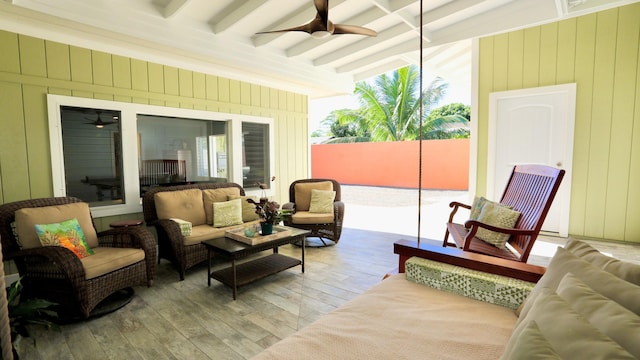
(254,270)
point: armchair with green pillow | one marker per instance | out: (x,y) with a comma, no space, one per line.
(60,256)
(316,205)
(509,228)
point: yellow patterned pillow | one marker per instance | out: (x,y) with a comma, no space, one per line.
(227,213)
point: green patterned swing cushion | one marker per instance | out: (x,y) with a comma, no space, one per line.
(490,288)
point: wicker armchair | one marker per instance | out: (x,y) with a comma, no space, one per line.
(57,274)
(322,228)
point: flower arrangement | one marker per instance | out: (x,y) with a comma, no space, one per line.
(268,211)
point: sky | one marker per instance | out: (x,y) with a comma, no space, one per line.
(321,108)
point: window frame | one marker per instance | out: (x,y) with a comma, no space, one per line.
(129,133)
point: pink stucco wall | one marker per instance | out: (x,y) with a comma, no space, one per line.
(445,163)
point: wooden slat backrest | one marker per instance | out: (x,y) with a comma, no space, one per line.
(531,190)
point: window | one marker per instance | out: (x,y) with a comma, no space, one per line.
(180,150)
(255,154)
(92,155)
(111,165)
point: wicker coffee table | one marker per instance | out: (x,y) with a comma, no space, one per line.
(238,275)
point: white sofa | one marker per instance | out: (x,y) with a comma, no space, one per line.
(585,306)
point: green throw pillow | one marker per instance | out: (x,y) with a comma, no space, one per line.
(67,234)
(496,215)
(322,201)
(227,213)
(476,207)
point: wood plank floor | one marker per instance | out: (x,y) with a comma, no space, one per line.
(188,320)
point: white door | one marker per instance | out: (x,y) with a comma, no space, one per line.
(533,126)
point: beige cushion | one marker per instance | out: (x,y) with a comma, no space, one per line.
(303,193)
(27,218)
(570,335)
(209,196)
(108,259)
(322,201)
(248,209)
(613,320)
(529,345)
(624,270)
(305,217)
(497,215)
(227,213)
(605,283)
(183,204)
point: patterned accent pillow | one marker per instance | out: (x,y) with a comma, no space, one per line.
(496,215)
(67,234)
(185,226)
(322,201)
(476,207)
(227,213)
(490,288)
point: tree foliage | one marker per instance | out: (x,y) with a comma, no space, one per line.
(390,111)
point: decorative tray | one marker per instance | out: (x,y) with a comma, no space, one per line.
(238,235)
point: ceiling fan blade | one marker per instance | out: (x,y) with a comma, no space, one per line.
(322,6)
(305,28)
(353,29)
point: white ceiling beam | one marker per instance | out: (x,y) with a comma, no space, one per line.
(234,13)
(392,51)
(447,9)
(361,19)
(391,6)
(380,69)
(301,16)
(173,7)
(363,44)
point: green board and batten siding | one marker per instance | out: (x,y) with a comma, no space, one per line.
(600,52)
(31,68)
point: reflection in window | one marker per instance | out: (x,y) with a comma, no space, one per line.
(255,154)
(176,151)
(92,155)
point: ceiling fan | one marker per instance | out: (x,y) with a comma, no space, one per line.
(99,123)
(321,27)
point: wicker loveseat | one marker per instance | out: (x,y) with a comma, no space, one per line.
(192,203)
(450,304)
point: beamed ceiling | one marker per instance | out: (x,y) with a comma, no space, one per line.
(219,36)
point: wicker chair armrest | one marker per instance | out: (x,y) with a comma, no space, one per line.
(455,206)
(171,231)
(338,210)
(289,206)
(55,260)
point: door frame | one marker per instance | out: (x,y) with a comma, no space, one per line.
(563,197)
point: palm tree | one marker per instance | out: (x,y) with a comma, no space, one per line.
(390,106)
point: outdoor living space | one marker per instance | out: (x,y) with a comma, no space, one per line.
(188,320)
